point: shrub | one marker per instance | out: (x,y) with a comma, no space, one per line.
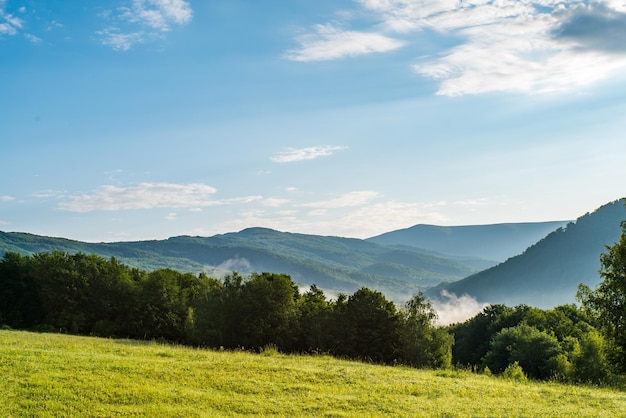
(514,372)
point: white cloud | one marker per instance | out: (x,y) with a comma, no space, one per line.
(172,216)
(274,202)
(6,198)
(111,36)
(351,215)
(157,14)
(4,223)
(143,196)
(141,21)
(527,46)
(347,200)
(9,24)
(301,154)
(329,42)
(33,39)
(374,219)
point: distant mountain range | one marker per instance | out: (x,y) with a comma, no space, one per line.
(462,260)
(548,273)
(490,242)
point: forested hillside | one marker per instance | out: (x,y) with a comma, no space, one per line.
(548,273)
(334,264)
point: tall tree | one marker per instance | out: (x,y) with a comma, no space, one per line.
(20,304)
(422,343)
(607,303)
(268,310)
(314,314)
(370,326)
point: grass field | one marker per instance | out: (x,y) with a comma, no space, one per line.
(57,375)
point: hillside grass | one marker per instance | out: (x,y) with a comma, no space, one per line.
(51,375)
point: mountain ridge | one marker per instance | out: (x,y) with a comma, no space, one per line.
(499,241)
(547,273)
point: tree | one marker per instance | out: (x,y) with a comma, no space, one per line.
(472,336)
(20,304)
(268,310)
(369,326)
(423,344)
(208,308)
(314,312)
(63,290)
(538,353)
(164,305)
(607,303)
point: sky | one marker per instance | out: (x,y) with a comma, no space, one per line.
(126,120)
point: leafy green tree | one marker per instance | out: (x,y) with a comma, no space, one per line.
(370,326)
(63,291)
(607,303)
(538,353)
(590,360)
(472,337)
(422,343)
(208,313)
(313,320)
(268,310)
(164,306)
(20,304)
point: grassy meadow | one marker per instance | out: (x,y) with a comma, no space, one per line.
(51,375)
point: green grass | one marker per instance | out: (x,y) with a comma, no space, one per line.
(58,375)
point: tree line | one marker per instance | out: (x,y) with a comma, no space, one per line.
(90,295)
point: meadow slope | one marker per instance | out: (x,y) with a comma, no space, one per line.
(58,375)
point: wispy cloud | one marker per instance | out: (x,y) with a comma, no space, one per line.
(140,21)
(524,46)
(300,154)
(6,198)
(33,39)
(275,202)
(9,23)
(157,14)
(111,36)
(148,196)
(356,214)
(328,42)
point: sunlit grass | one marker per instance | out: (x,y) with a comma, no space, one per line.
(56,375)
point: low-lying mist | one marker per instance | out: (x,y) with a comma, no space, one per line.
(452,309)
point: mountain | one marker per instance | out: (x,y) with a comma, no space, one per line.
(490,242)
(334,264)
(548,273)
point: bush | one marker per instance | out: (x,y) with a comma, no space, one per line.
(514,372)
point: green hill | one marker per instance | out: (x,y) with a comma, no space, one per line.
(52,375)
(548,273)
(334,264)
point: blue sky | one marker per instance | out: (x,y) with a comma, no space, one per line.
(145,119)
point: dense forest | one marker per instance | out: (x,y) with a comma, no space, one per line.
(91,295)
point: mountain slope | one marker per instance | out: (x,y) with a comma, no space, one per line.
(333,263)
(548,273)
(497,242)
